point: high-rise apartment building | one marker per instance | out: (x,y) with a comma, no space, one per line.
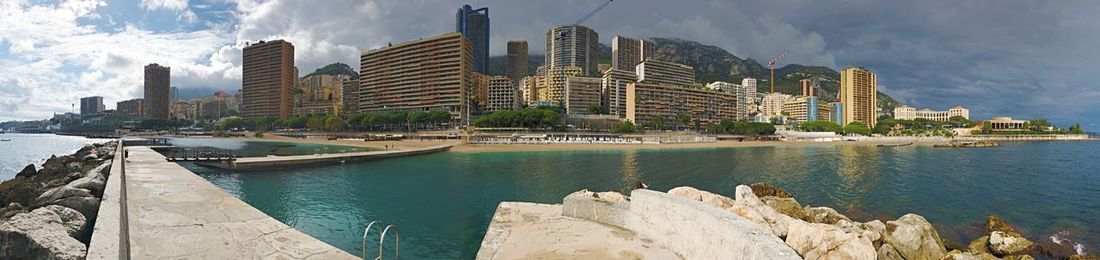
(350,94)
(173,94)
(552,88)
(133,107)
(581,93)
(614,87)
(92,105)
(268,74)
(910,113)
(837,115)
(474,25)
(502,94)
(742,108)
(516,67)
(529,89)
(808,87)
(573,46)
(663,72)
(434,73)
(772,104)
(627,52)
(859,94)
(157,96)
(647,102)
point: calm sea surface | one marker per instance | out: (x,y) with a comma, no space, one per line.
(24,149)
(443,202)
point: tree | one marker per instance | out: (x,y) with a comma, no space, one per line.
(1039,125)
(820,126)
(857,128)
(961,121)
(335,124)
(683,119)
(1076,129)
(658,123)
(625,127)
(315,124)
(597,110)
(987,128)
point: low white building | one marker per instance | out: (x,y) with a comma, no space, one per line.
(909,113)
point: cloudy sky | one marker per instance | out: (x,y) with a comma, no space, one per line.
(1026,59)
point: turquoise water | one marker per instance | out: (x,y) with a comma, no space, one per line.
(264,148)
(24,149)
(443,202)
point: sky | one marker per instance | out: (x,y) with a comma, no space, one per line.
(1025,59)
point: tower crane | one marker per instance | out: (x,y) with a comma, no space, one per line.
(583,18)
(771,64)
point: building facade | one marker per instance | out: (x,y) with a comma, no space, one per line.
(433,73)
(910,113)
(321,94)
(502,94)
(92,105)
(350,94)
(808,87)
(614,83)
(742,107)
(157,96)
(552,87)
(573,46)
(803,109)
(516,67)
(529,89)
(474,25)
(181,110)
(645,103)
(1007,124)
(772,104)
(627,52)
(663,72)
(268,74)
(582,93)
(133,107)
(837,112)
(858,92)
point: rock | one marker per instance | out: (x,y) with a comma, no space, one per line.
(27,171)
(980,245)
(914,238)
(747,205)
(1003,243)
(704,196)
(608,196)
(56,194)
(821,241)
(38,234)
(1084,257)
(93,182)
(763,190)
(879,230)
(1019,257)
(19,189)
(887,252)
(785,206)
(88,206)
(824,215)
(956,255)
(11,210)
(994,223)
(90,157)
(73,221)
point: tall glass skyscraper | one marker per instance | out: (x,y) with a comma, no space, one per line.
(474,25)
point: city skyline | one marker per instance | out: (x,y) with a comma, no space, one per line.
(920,62)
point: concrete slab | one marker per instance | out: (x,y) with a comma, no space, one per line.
(175,214)
(538,231)
(260,163)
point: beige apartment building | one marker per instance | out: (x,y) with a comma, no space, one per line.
(859,96)
(772,104)
(323,94)
(803,109)
(552,87)
(627,52)
(808,87)
(502,94)
(268,74)
(581,93)
(434,73)
(663,72)
(529,89)
(614,83)
(647,102)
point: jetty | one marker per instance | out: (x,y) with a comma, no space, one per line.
(262,163)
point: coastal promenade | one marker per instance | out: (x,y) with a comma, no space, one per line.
(175,214)
(259,163)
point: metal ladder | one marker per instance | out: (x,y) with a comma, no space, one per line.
(382,240)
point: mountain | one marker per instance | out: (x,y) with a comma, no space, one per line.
(335,69)
(712,63)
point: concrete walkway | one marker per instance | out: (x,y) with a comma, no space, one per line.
(260,163)
(538,231)
(175,214)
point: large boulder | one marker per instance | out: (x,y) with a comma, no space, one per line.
(1003,243)
(702,195)
(914,238)
(79,199)
(11,210)
(994,223)
(821,241)
(887,252)
(824,215)
(785,206)
(74,222)
(956,255)
(93,181)
(39,234)
(980,245)
(27,171)
(878,229)
(747,205)
(764,190)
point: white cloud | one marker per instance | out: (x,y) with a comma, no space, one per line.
(153,5)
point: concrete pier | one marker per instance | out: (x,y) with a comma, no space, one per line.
(260,163)
(175,214)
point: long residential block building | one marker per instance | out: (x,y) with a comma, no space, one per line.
(581,93)
(434,73)
(268,74)
(502,94)
(157,87)
(614,83)
(742,107)
(91,105)
(552,87)
(663,72)
(132,107)
(910,113)
(858,93)
(803,109)
(646,102)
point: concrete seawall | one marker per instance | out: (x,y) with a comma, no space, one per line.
(110,235)
(174,213)
(261,163)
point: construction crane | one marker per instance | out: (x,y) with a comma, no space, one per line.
(583,18)
(771,64)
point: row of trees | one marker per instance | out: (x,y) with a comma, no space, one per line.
(534,118)
(743,127)
(393,121)
(829,126)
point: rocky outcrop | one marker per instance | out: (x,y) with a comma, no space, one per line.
(764,190)
(785,206)
(704,196)
(42,234)
(28,171)
(824,215)
(747,205)
(914,238)
(821,241)
(887,252)
(1004,243)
